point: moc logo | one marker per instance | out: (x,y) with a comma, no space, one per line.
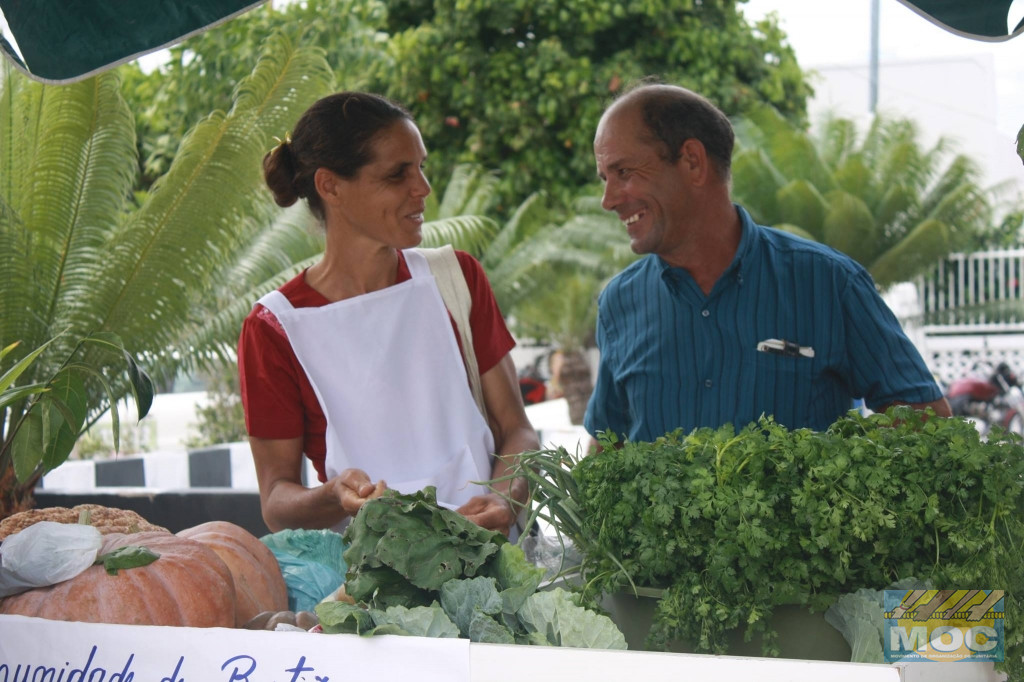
(943,625)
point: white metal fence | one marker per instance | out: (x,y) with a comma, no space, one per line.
(979,291)
(971,313)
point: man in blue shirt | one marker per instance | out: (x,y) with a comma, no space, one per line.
(725,320)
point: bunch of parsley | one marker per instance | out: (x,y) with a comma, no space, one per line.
(733,523)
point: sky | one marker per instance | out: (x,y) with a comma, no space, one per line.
(826,34)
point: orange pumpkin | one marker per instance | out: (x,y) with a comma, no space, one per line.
(188,585)
(259,584)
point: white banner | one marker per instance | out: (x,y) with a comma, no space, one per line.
(40,650)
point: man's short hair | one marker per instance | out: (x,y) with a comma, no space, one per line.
(673,115)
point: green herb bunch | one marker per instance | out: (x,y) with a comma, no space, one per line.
(734,523)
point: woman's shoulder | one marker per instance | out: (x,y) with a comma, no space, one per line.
(471,267)
(298,293)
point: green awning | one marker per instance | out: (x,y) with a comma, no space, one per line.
(61,41)
(65,40)
(986,20)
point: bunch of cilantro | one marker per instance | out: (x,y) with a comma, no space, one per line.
(733,523)
(415,568)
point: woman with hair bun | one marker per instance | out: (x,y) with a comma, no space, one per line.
(356,363)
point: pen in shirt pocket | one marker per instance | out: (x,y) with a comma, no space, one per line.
(787,348)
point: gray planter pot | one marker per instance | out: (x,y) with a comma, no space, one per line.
(802,634)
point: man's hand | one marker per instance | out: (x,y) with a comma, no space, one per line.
(354,489)
(492,511)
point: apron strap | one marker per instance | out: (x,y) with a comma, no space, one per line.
(275,302)
(451,282)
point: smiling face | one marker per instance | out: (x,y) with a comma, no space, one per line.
(384,202)
(649,194)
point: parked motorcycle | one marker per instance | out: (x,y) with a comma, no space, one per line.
(993,399)
(533,381)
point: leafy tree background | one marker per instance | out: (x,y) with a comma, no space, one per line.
(519,85)
(879,195)
(514,86)
(202,72)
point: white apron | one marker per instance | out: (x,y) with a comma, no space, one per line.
(391,381)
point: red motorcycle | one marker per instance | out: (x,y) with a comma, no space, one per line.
(993,399)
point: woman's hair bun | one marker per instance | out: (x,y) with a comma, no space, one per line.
(279,174)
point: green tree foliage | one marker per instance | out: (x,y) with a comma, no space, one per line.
(515,86)
(81,261)
(884,199)
(519,85)
(222,418)
(202,72)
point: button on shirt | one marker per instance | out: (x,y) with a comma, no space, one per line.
(674,357)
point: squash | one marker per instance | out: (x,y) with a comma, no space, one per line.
(188,585)
(105,519)
(259,584)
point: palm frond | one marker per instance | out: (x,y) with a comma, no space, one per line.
(285,81)
(20,104)
(850,227)
(469,191)
(894,210)
(792,151)
(854,176)
(530,216)
(469,233)
(214,339)
(756,184)
(81,180)
(960,171)
(919,250)
(18,286)
(181,236)
(802,205)
(565,311)
(293,237)
(837,140)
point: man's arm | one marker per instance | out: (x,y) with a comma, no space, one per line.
(940,406)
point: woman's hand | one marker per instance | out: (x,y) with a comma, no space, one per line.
(354,489)
(492,511)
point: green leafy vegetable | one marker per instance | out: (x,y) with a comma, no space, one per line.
(131,556)
(464,599)
(562,622)
(419,569)
(340,617)
(734,523)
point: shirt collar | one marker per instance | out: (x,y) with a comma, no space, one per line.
(750,237)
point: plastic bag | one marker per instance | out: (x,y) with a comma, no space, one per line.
(46,553)
(555,556)
(311,564)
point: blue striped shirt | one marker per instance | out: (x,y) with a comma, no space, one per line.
(674,357)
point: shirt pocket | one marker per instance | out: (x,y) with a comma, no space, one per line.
(778,385)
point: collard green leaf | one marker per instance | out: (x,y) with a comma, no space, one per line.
(484,628)
(425,543)
(554,615)
(340,617)
(420,621)
(426,560)
(516,577)
(463,599)
(383,587)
